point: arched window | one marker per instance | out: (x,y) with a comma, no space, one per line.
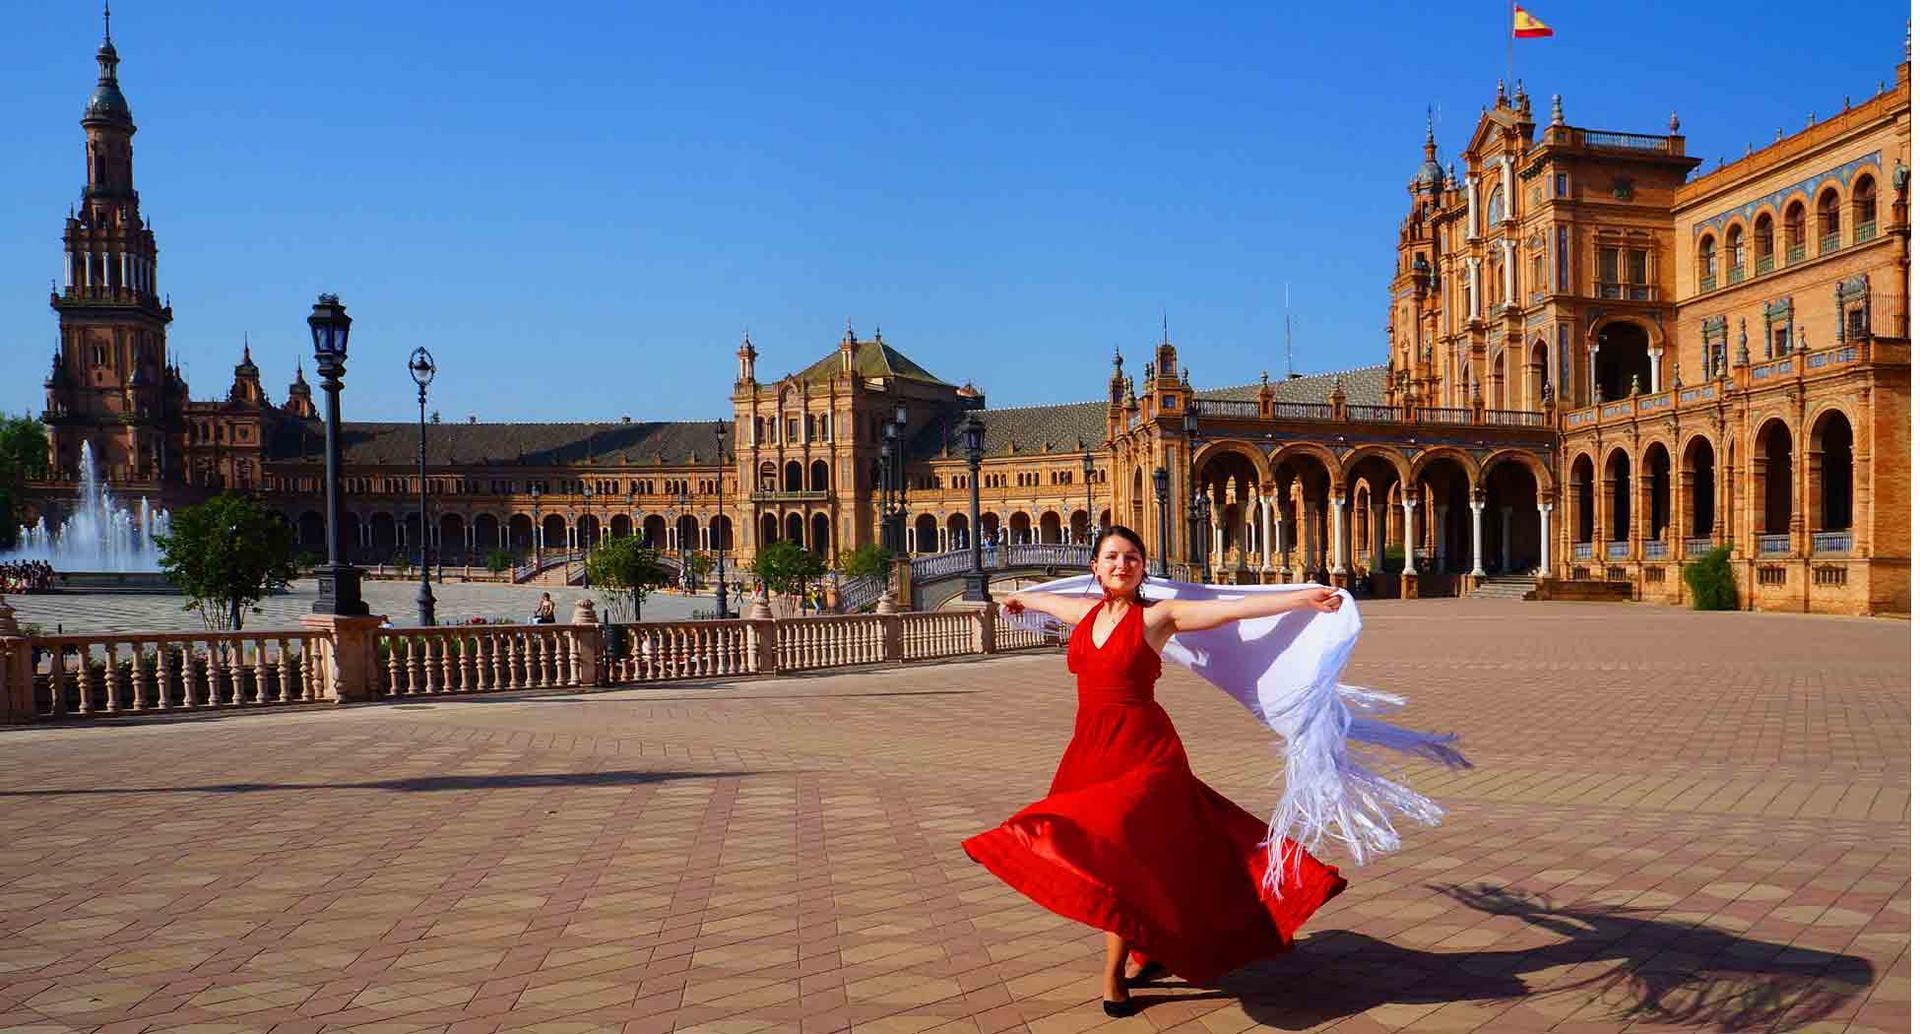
(1709,264)
(1866,214)
(1496,207)
(1763,244)
(1736,254)
(1795,225)
(1828,212)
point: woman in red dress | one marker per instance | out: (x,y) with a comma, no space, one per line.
(1128,839)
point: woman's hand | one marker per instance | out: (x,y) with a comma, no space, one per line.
(1012,604)
(1319,598)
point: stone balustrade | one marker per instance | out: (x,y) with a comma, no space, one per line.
(352,659)
(83,675)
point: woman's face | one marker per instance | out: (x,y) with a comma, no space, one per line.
(1118,566)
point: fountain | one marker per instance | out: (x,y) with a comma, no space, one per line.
(99,537)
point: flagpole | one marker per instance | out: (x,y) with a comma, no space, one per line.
(1511,4)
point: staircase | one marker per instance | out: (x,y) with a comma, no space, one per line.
(1505,587)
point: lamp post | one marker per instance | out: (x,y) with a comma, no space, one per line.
(1166,539)
(1200,531)
(680,532)
(719,525)
(899,425)
(1086,475)
(539,529)
(975,434)
(586,491)
(339,582)
(886,492)
(421,366)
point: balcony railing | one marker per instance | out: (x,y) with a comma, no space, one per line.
(1303,410)
(1229,408)
(1827,543)
(139,672)
(1376,413)
(1735,275)
(1653,549)
(1515,418)
(1694,547)
(480,658)
(1763,264)
(1775,545)
(1622,141)
(817,496)
(1708,283)
(1829,242)
(1618,550)
(1796,252)
(1865,231)
(1583,551)
(1443,415)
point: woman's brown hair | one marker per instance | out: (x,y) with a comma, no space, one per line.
(1132,537)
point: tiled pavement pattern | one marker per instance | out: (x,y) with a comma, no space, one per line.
(1678,821)
(454,602)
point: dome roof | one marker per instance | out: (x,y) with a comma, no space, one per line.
(107,102)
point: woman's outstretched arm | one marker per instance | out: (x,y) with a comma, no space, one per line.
(1065,608)
(1200,615)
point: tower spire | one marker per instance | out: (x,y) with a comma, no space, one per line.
(107,10)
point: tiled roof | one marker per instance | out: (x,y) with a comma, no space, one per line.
(1025,430)
(870,359)
(397,444)
(1365,386)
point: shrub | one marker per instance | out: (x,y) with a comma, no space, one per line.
(1710,579)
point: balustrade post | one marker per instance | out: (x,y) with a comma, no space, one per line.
(348,654)
(764,643)
(893,637)
(586,631)
(16,653)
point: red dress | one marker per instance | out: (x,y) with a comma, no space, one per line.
(1130,841)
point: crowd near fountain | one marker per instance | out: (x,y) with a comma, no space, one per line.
(100,534)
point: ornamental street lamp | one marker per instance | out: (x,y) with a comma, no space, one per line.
(339,582)
(586,490)
(1166,539)
(422,368)
(900,476)
(1190,423)
(888,473)
(719,525)
(1199,530)
(680,532)
(1086,475)
(539,529)
(975,434)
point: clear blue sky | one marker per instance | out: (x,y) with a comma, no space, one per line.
(578,207)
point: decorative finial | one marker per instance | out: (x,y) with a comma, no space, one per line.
(1559,116)
(1500,95)
(1810,120)
(1164,339)
(876,333)
(1118,361)
(1673,122)
(107,10)
(1744,354)
(1779,134)
(1263,378)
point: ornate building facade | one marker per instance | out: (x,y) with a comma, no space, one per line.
(1599,363)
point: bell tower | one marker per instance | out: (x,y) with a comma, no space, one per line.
(110,373)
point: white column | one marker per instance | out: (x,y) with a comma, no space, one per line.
(1335,517)
(1546,556)
(1473,208)
(1506,268)
(1479,506)
(1407,503)
(1473,287)
(1658,384)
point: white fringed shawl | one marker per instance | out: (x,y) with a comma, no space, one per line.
(1286,670)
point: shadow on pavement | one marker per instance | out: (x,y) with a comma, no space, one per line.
(412,784)
(1656,971)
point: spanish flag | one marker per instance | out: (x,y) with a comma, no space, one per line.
(1526,26)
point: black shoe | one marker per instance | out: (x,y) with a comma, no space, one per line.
(1149,973)
(1119,1010)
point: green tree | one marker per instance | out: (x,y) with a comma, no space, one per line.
(499,560)
(699,565)
(225,555)
(625,571)
(788,569)
(23,458)
(869,561)
(1710,579)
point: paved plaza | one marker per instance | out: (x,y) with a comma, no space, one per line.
(455,602)
(1677,821)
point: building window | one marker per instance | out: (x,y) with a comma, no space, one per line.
(1559,184)
(1763,244)
(1866,215)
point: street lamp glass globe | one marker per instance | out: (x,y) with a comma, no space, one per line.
(330,325)
(420,364)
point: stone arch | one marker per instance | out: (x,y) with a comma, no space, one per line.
(817,476)
(795,528)
(1582,497)
(1515,484)
(1294,453)
(957,531)
(519,532)
(452,531)
(1248,450)
(1019,528)
(1435,453)
(1699,472)
(1394,458)
(1831,471)
(653,531)
(769,528)
(1616,477)
(553,531)
(1773,472)
(720,532)
(313,532)
(792,477)
(1656,477)
(926,534)
(383,534)
(1050,527)
(1622,347)
(820,534)
(486,534)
